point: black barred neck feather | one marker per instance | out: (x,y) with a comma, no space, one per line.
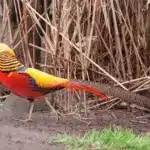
(9,63)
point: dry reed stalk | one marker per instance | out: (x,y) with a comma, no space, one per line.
(117,40)
(4,22)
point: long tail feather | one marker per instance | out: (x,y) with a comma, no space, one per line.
(72,85)
(127,96)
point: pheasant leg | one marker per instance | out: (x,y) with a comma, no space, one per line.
(30,114)
(53,109)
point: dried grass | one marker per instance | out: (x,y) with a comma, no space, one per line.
(92,40)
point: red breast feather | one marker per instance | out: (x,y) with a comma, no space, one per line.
(21,85)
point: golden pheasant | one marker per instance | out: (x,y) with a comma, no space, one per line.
(31,83)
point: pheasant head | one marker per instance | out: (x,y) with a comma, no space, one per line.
(8,59)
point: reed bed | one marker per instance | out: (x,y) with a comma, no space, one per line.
(98,40)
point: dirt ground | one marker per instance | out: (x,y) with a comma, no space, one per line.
(16,135)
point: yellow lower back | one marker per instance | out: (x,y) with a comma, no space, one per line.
(45,80)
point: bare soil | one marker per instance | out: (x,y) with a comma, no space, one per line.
(16,135)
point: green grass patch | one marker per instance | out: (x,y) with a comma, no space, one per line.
(107,139)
